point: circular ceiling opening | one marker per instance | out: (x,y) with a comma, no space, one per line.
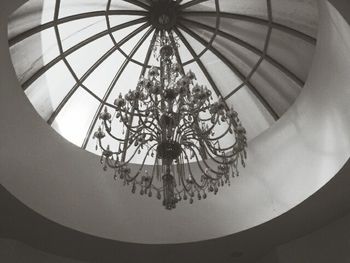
(73,58)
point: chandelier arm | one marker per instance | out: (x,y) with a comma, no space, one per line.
(190,171)
(144,124)
(110,133)
(184,186)
(200,134)
(216,156)
(185,122)
(201,168)
(149,127)
(208,131)
(105,149)
(213,149)
(238,141)
(220,136)
(204,120)
(185,132)
(150,184)
(130,128)
(157,132)
(123,164)
(203,160)
(214,159)
(142,164)
(155,102)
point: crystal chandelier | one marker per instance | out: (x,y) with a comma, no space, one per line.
(194,142)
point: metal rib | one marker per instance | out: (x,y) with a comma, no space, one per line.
(248,46)
(191,3)
(112,85)
(53,62)
(79,82)
(139,4)
(234,70)
(199,62)
(149,52)
(255,20)
(63,20)
(108,6)
(177,54)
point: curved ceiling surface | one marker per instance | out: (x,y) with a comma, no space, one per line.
(74,57)
(287,164)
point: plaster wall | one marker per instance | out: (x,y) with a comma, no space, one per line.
(328,244)
(12,251)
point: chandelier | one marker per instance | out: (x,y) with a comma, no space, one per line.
(194,142)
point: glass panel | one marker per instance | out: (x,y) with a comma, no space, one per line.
(201,79)
(153,60)
(123,5)
(99,81)
(75,32)
(31,54)
(205,6)
(141,53)
(196,46)
(184,53)
(293,53)
(222,75)
(301,15)
(243,59)
(185,1)
(116,20)
(127,81)
(48,91)
(33,13)
(279,90)
(128,46)
(253,34)
(74,120)
(256,8)
(253,115)
(82,59)
(131,43)
(121,34)
(69,7)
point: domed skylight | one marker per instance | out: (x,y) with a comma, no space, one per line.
(73,57)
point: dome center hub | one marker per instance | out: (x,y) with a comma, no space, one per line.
(164,14)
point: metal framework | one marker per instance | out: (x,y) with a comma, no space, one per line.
(235,70)
(112,85)
(248,46)
(255,20)
(183,21)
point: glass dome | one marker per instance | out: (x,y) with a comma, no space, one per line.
(73,58)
